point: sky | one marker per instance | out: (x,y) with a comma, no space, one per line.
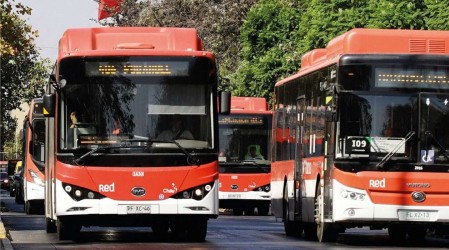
(52,17)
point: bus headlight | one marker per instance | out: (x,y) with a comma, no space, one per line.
(352,195)
(36,178)
(79,193)
(197,193)
(265,188)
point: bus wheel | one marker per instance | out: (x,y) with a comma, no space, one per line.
(237,211)
(291,228)
(160,229)
(50,225)
(197,231)
(397,233)
(66,229)
(249,211)
(263,209)
(30,207)
(325,232)
(417,233)
(192,231)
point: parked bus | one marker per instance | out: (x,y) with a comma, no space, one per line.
(113,157)
(361,138)
(30,186)
(245,156)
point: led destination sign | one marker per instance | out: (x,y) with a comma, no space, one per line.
(137,68)
(241,120)
(425,77)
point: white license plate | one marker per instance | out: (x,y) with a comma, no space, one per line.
(409,215)
(138,209)
(235,196)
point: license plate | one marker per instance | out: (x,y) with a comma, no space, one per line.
(138,209)
(409,215)
(235,196)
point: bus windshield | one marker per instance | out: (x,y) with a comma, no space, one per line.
(376,124)
(244,138)
(107,101)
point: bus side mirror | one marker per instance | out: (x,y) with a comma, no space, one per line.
(49,105)
(225,102)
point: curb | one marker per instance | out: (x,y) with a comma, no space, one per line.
(5,244)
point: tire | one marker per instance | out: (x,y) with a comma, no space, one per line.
(197,231)
(67,229)
(50,225)
(397,233)
(30,207)
(417,233)
(291,228)
(191,231)
(237,211)
(325,232)
(263,210)
(249,211)
(160,229)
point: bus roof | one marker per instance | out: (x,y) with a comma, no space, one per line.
(128,41)
(241,105)
(375,41)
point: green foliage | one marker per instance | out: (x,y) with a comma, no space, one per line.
(397,14)
(23,72)
(436,14)
(217,21)
(268,47)
(259,42)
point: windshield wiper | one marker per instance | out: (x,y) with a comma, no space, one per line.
(255,164)
(93,151)
(192,159)
(395,149)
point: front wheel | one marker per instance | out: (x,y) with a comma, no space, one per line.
(264,209)
(50,225)
(325,232)
(67,229)
(191,231)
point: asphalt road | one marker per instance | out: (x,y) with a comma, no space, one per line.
(227,232)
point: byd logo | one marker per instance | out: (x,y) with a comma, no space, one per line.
(377,183)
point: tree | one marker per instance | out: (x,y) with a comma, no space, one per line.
(397,14)
(23,74)
(436,14)
(218,22)
(269,39)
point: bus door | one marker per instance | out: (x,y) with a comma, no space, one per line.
(299,137)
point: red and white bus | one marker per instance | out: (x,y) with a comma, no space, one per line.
(361,138)
(30,188)
(113,92)
(245,179)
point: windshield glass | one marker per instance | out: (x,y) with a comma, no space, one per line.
(38,143)
(106,101)
(374,125)
(434,123)
(244,138)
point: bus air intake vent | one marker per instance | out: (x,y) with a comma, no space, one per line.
(437,46)
(418,46)
(427,46)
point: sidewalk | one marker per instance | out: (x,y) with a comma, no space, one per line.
(5,243)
